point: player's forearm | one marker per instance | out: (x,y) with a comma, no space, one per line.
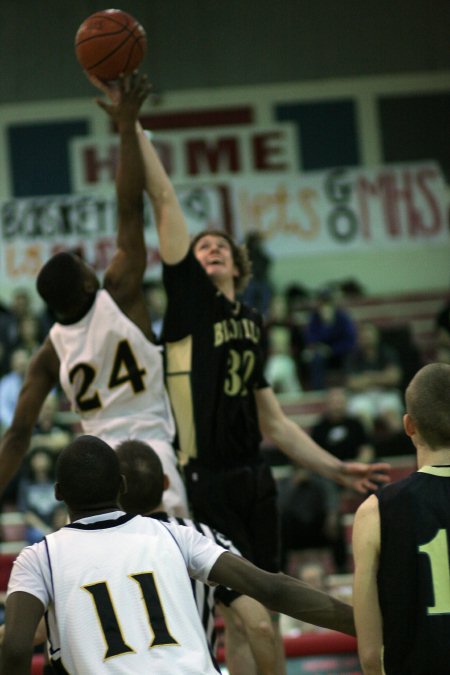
(172,228)
(292,597)
(14,662)
(294,442)
(283,594)
(157,183)
(130,178)
(371,664)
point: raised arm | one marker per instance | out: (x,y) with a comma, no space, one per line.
(125,273)
(301,449)
(42,375)
(170,221)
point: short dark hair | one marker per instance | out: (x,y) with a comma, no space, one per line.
(60,282)
(88,473)
(428,404)
(144,474)
(240,256)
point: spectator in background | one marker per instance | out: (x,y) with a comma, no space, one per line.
(442,333)
(48,431)
(373,378)
(258,292)
(36,494)
(310,517)
(280,368)
(11,318)
(21,304)
(10,386)
(281,343)
(7,338)
(29,336)
(46,320)
(330,336)
(340,433)
(298,308)
(351,289)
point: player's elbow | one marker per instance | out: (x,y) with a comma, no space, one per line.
(370,659)
(16,657)
(271,427)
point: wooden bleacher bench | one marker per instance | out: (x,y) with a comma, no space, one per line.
(416,311)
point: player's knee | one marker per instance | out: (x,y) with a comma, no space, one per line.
(262,630)
(266,630)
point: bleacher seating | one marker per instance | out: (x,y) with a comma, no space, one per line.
(400,317)
(12,531)
(416,310)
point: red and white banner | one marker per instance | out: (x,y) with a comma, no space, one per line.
(344,209)
(298,215)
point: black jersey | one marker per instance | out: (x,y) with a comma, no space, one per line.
(414,573)
(213,365)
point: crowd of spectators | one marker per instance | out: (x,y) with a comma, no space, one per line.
(312,344)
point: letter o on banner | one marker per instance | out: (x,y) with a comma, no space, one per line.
(342,224)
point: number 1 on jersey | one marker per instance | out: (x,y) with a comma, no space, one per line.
(437,552)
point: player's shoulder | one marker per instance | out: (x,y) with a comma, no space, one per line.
(45,359)
(368,509)
(32,555)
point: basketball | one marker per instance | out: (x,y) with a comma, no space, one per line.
(109,43)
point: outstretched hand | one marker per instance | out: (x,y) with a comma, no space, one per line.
(364,477)
(128,91)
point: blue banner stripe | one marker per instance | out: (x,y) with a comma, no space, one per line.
(327,131)
(40,157)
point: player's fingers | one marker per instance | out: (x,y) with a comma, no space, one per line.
(380,478)
(380,466)
(93,79)
(124,83)
(102,104)
(144,91)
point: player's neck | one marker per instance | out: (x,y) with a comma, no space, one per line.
(427,457)
(80,312)
(97,510)
(226,287)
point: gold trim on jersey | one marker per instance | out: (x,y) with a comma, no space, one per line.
(443,471)
(178,373)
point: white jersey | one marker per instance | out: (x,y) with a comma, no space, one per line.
(205,595)
(113,375)
(119,597)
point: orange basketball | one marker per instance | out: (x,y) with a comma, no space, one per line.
(109,43)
